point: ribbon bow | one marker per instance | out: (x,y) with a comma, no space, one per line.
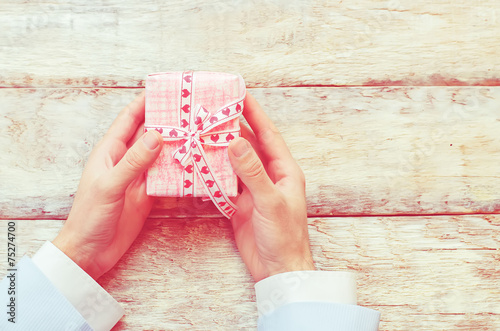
(196,130)
(198,135)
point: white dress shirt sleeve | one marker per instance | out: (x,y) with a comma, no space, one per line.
(305,286)
(312,300)
(96,305)
(31,302)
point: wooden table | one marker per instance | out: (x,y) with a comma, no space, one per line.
(392,108)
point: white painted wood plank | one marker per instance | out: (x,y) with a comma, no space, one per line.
(285,43)
(365,151)
(421,273)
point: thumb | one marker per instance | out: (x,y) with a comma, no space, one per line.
(136,160)
(247,165)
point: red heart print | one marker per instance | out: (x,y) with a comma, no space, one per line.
(214,137)
(197,120)
(193,144)
(185,93)
(172,133)
(187,183)
(238,107)
(202,140)
(226,111)
(186,108)
(145,129)
(200,127)
(210,183)
(184,123)
(213,119)
(188,195)
(189,169)
(197,157)
(222,204)
(182,150)
(187,79)
(229,137)
(160,130)
(217,194)
(204,170)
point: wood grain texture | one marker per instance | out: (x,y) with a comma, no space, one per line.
(421,273)
(271,43)
(370,154)
(365,151)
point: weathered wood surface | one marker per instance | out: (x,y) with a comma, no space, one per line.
(271,43)
(421,273)
(365,151)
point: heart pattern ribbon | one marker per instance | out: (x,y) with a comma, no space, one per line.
(196,131)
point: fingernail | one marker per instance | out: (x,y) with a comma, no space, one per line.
(150,140)
(240,147)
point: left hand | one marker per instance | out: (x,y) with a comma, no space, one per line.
(270,226)
(111,204)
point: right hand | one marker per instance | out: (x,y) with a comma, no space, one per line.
(270,225)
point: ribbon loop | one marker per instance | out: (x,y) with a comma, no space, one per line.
(201,117)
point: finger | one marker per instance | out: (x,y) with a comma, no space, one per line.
(249,168)
(271,143)
(135,161)
(127,121)
(138,134)
(248,134)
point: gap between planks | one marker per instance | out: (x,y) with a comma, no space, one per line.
(478,85)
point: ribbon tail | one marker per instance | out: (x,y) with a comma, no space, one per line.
(183,153)
(211,183)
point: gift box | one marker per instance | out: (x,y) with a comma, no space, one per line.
(197,114)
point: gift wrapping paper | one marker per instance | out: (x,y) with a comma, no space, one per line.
(197,114)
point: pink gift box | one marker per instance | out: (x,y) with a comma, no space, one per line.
(171,100)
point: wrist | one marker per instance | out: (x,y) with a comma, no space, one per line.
(303,264)
(69,247)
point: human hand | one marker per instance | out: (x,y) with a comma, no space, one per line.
(111,204)
(270,225)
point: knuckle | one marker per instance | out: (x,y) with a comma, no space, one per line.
(101,187)
(134,159)
(278,202)
(267,136)
(254,168)
(277,164)
(126,111)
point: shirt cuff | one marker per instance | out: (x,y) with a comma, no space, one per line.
(305,286)
(96,305)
